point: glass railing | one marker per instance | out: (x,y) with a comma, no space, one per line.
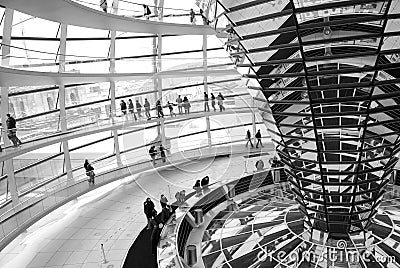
(181,135)
(41,198)
(28,59)
(151,13)
(141,67)
(32,129)
(33,179)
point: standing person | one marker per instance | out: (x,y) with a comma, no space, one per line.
(155,237)
(123,107)
(89,171)
(186,105)
(220,99)
(205,20)
(162,153)
(131,108)
(171,109)
(178,197)
(12,130)
(197,185)
(163,201)
(149,211)
(206,107)
(205,181)
(146,11)
(258,137)
(179,102)
(166,213)
(147,109)
(153,154)
(183,196)
(213,101)
(103,5)
(139,109)
(192,16)
(159,109)
(259,165)
(248,137)
(274,163)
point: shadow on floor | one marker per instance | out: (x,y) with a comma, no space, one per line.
(139,255)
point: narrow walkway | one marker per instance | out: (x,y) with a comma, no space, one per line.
(14,77)
(112,215)
(72,13)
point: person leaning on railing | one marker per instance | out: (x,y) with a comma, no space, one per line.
(89,171)
(12,130)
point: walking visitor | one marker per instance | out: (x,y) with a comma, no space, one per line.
(179,102)
(139,109)
(220,99)
(11,124)
(213,101)
(206,107)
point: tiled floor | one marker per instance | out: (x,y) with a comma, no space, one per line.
(111,215)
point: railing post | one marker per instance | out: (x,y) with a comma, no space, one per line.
(159,87)
(253,121)
(112,88)
(8,18)
(206,87)
(62,100)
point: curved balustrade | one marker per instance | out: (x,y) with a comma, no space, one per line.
(74,13)
(172,245)
(132,155)
(13,77)
(136,10)
(91,121)
(44,61)
(42,199)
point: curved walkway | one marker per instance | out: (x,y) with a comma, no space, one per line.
(72,13)
(14,77)
(33,145)
(72,235)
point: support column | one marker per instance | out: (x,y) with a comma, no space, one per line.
(12,185)
(161,129)
(112,88)
(253,121)
(159,88)
(208,126)
(61,98)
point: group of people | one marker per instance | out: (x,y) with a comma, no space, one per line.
(257,136)
(146,9)
(134,110)
(147,12)
(128,109)
(220,101)
(192,16)
(203,183)
(183,104)
(153,153)
(156,221)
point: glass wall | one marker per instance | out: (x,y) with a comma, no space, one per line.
(140,73)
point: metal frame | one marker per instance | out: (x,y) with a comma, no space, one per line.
(339,126)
